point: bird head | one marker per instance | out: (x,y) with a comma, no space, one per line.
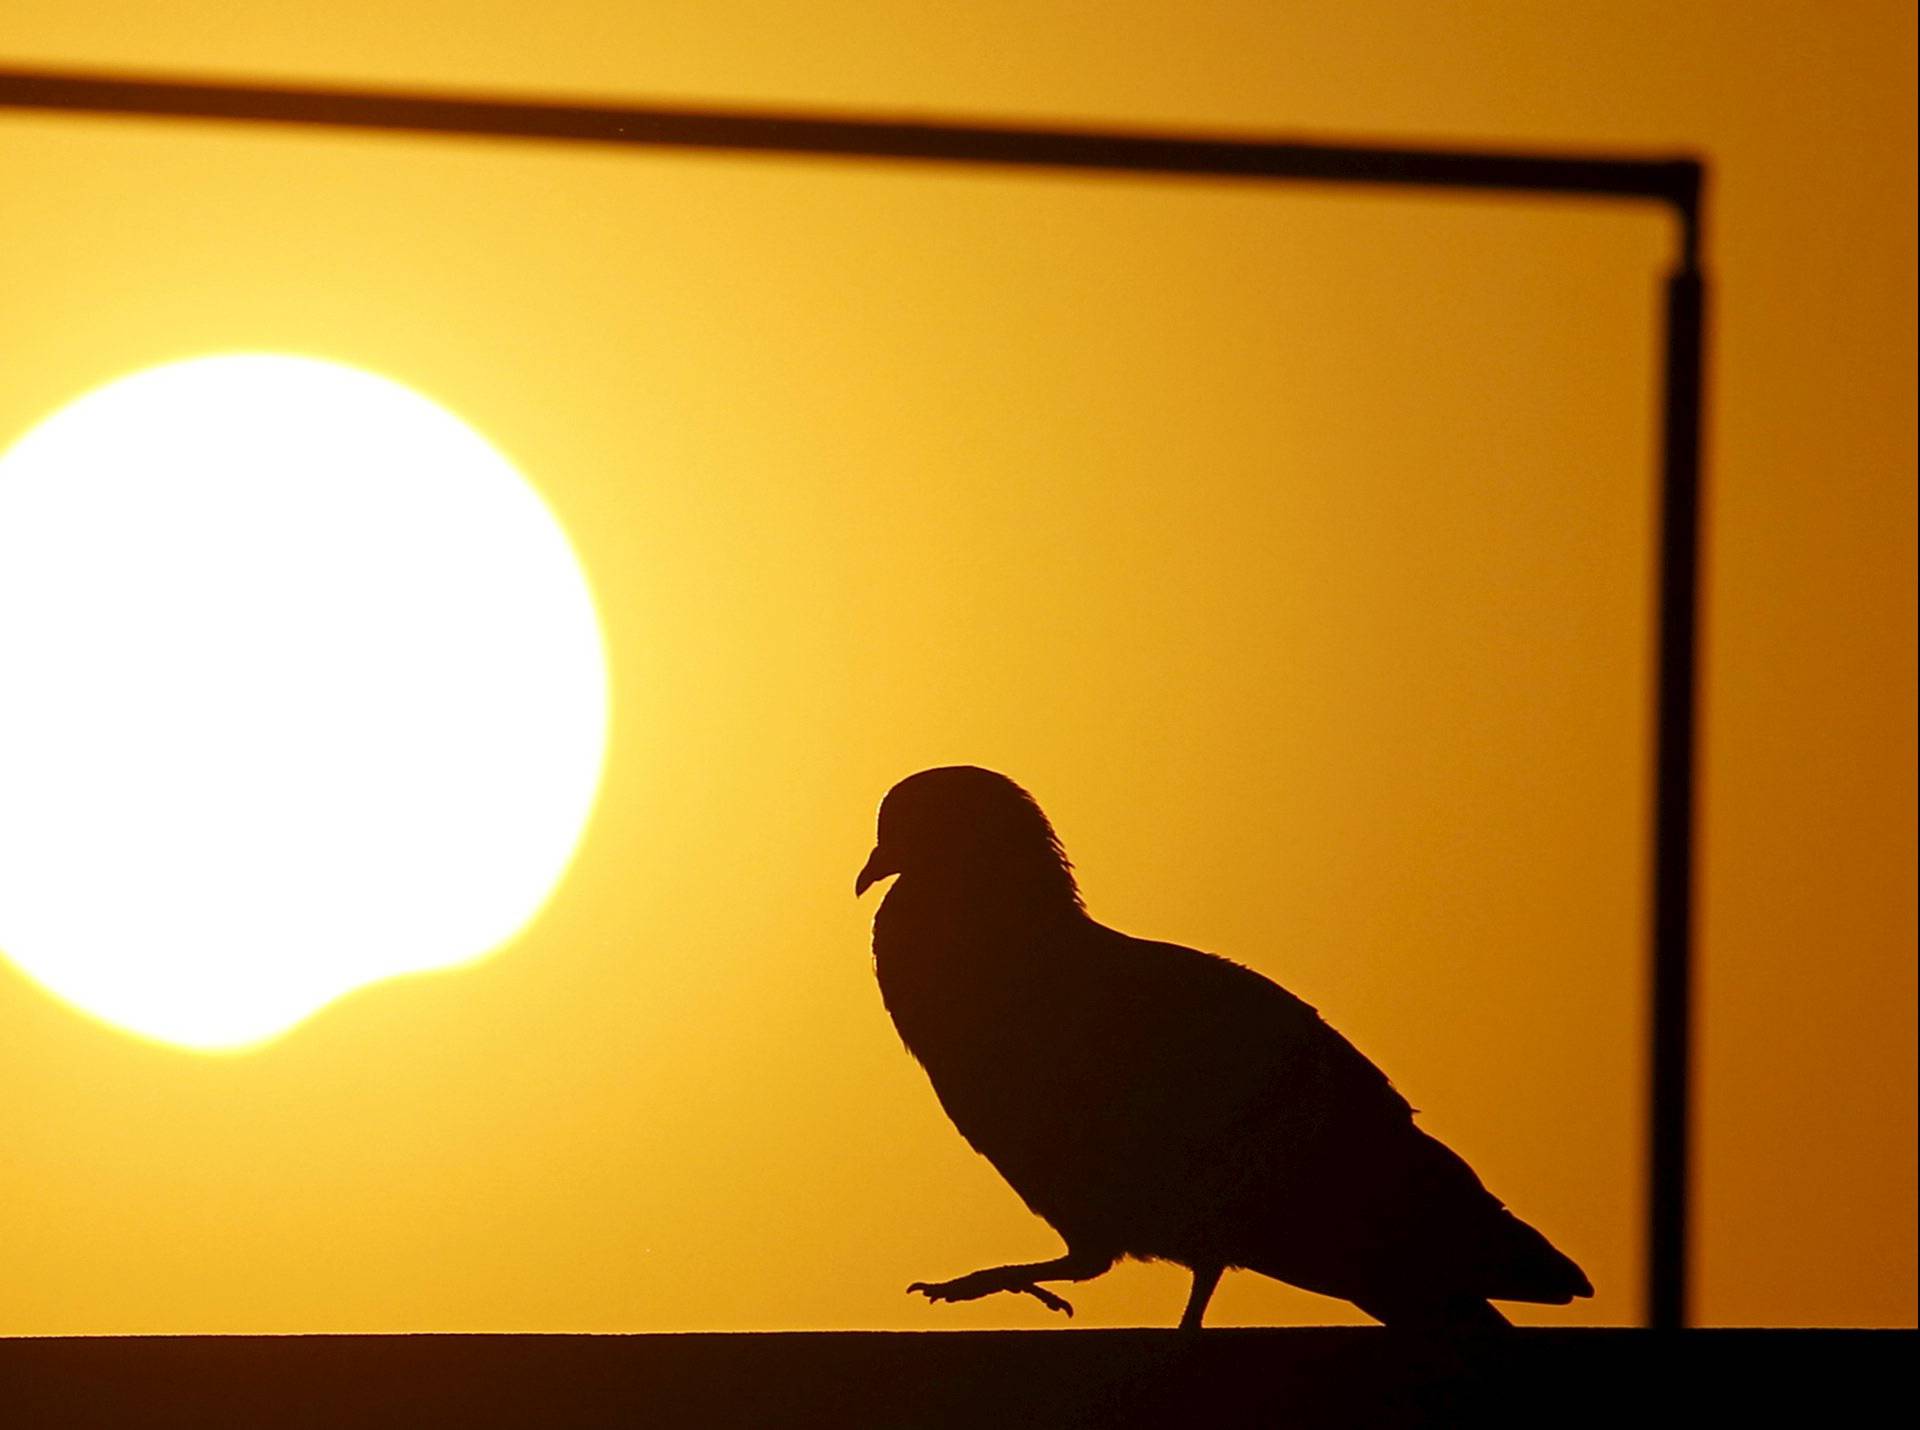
(969,826)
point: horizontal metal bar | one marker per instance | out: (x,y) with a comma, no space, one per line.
(1673,180)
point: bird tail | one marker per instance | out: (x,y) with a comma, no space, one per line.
(1509,1260)
(1532,1268)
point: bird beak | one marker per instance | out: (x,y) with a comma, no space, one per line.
(876,868)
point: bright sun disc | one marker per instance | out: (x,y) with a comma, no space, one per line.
(301,687)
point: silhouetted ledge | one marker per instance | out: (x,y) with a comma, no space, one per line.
(1002,1380)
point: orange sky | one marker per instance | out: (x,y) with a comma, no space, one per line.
(1292,548)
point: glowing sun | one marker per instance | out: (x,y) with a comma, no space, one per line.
(301,687)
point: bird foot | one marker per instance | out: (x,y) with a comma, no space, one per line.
(976,1284)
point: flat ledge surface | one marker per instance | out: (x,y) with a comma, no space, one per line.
(1293,1376)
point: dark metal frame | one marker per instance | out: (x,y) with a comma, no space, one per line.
(1673,182)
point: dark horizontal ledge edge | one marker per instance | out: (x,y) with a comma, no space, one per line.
(1307,1375)
(1671,179)
(1273,1335)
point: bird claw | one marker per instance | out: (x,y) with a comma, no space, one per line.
(978,1284)
(1048,1299)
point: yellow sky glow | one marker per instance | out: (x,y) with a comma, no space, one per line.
(1290,546)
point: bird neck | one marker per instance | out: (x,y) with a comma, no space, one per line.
(978,896)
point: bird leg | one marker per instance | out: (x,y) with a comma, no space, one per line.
(1074,1266)
(1205,1278)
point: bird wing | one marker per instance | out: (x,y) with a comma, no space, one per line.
(1269,1136)
(1202,1055)
(1121,1084)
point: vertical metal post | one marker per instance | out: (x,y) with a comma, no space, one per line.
(1671,1071)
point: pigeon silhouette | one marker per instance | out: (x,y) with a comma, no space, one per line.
(1153,1101)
